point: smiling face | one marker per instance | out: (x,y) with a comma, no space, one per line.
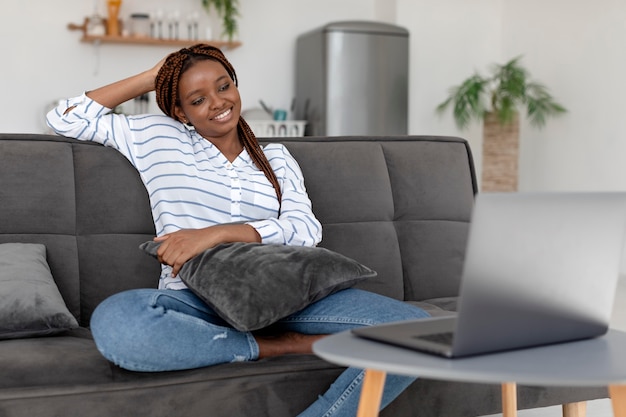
(209,100)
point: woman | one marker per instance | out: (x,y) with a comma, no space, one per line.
(210,182)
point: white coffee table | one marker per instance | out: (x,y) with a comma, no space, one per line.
(594,362)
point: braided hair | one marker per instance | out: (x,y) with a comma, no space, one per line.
(166,88)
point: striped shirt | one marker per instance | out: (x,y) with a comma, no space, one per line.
(190,183)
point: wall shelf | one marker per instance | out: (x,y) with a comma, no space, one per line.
(131,40)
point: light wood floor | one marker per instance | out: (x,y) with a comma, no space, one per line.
(597,408)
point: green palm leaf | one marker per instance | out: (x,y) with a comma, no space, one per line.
(228,11)
(503,93)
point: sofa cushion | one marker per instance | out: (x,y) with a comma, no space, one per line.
(30,302)
(253,285)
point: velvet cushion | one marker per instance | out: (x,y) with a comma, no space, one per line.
(30,302)
(252,285)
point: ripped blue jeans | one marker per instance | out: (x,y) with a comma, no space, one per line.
(151,330)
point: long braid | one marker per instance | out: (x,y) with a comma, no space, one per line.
(166,88)
(251,144)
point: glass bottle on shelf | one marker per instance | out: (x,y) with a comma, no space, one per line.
(95,24)
(113,22)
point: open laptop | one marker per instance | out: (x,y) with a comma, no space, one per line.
(540,268)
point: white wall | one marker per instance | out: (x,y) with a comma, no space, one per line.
(42,61)
(450,40)
(578,48)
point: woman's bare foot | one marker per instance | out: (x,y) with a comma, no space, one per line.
(286,343)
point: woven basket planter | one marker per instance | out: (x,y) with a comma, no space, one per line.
(500,155)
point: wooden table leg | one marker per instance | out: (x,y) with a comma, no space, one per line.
(578,409)
(618,400)
(371,393)
(509,399)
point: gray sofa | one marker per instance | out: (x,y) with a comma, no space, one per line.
(398,205)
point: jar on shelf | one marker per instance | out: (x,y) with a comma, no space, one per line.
(140,25)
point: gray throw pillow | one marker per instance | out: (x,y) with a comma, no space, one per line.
(30,302)
(252,285)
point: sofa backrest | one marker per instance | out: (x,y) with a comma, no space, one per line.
(399,205)
(87,204)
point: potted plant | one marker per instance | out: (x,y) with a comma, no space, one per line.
(496,100)
(228,11)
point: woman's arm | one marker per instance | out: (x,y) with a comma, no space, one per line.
(296,225)
(88,116)
(180,246)
(114,94)
(107,97)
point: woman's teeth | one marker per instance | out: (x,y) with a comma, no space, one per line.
(222,115)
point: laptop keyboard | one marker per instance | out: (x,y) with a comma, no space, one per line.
(442,338)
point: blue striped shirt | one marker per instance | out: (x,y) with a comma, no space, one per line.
(191,184)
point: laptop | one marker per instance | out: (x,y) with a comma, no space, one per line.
(540,268)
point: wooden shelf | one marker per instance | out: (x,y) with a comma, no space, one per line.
(130,40)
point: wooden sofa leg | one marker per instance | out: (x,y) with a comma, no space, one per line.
(578,409)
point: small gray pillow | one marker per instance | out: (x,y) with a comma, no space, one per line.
(30,302)
(252,285)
